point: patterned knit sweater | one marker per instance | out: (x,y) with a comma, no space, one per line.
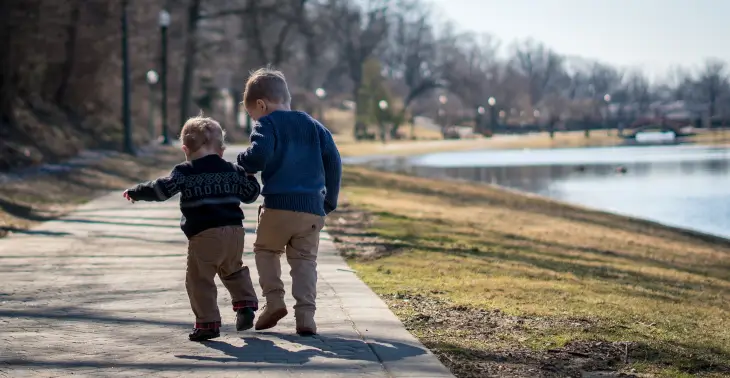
(211,191)
(298,160)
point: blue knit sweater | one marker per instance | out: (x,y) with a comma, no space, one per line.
(298,160)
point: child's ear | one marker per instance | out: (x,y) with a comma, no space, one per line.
(185,149)
(261,104)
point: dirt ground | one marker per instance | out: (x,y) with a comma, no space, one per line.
(436,321)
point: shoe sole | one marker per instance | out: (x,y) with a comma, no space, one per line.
(205,338)
(306,332)
(275,317)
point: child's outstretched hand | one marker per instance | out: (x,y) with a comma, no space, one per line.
(126,195)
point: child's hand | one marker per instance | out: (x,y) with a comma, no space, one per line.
(126,195)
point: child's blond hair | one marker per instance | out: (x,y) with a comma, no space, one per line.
(266,84)
(202,131)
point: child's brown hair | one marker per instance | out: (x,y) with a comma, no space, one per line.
(201,131)
(266,84)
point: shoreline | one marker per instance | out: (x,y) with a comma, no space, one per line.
(511,141)
(366,161)
(704,236)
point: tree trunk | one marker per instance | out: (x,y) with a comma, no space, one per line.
(358,134)
(190,53)
(70,50)
(7,82)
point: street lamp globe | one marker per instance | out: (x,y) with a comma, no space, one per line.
(152,77)
(164,18)
(383,104)
(320,92)
(536,113)
(480,110)
(607,97)
(491,101)
(443,99)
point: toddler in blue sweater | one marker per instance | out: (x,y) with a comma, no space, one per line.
(300,171)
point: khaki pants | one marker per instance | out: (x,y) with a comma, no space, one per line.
(217,251)
(296,235)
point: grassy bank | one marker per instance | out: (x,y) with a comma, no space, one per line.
(509,285)
(44,196)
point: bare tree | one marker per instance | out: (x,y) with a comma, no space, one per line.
(540,65)
(677,84)
(358,31)
(410,55)
(268,28)
(191,43)
(712,83)
(638,90)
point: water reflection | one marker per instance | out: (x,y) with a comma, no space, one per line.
(690,192)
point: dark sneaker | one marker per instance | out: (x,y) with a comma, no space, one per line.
(244,318)
(204,334)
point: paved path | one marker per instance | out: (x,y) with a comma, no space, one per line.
(101,293)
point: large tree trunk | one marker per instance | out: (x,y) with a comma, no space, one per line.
(7,81)
(191,48)
(70,50)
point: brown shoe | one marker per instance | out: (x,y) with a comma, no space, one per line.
(305,324)
(271,315)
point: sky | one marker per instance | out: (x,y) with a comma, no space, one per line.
(653,35)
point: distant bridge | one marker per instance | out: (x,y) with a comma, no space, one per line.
(661,125)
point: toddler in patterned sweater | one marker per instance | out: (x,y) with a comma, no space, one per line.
(211,191)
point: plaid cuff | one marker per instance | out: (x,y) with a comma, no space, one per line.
(209,325)
(243,304)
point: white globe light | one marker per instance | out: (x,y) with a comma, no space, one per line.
(152,77)
(164,18)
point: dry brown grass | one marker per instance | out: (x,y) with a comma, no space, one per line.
(503,284)
(44,196)
(341,123)
(712,137)
(537,140)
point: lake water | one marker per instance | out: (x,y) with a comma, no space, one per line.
(682,186)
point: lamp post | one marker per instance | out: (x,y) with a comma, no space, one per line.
(492,115)
(607,100)
(164,20)
(126,116)
(383,105)
(321,93)
(442,112)
(152,79)
(479,121)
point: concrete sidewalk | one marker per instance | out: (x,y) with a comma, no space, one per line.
(101,293)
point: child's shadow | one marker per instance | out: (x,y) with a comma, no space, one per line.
(266,350)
